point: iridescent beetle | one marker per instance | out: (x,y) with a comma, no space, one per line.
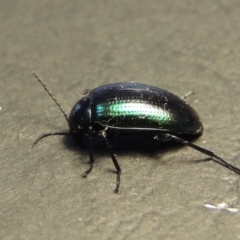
(132,108)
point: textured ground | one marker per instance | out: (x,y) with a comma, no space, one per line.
(77,45)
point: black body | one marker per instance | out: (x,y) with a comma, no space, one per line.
(137,102)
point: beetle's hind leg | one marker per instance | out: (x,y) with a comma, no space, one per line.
(115,162)
(187,95)
(90,153)
(214,157)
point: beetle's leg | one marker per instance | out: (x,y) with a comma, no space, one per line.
(90,153)
(214,157)
(187,95)
(115,162)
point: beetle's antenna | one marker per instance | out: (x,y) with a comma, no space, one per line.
(47,135)
(214,157)
(50,94)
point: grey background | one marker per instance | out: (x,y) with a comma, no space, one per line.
(77,45)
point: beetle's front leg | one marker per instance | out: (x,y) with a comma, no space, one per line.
(115,162)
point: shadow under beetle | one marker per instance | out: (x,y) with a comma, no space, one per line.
(132,108)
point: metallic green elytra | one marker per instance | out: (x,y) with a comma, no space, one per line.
(133,108)
(138,106)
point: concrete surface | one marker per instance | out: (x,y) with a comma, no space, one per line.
(167,191)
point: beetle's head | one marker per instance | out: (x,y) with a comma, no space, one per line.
(80,116)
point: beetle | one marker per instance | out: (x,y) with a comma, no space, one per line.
(136,109)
